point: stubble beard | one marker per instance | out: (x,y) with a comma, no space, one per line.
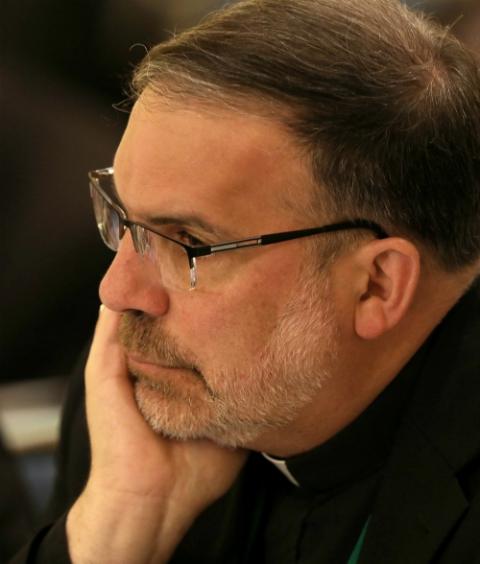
(233,406)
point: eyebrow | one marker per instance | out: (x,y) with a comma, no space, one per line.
(187,220)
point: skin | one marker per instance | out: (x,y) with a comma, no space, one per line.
(235,170)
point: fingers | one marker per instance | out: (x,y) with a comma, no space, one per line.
(106,332)
(106,355)
(106,375)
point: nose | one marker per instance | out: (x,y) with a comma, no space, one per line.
(132,283)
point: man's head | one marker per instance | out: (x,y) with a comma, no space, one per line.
(276,116)
(242,354)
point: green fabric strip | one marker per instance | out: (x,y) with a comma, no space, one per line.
(358,547)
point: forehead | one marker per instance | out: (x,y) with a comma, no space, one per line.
(228,167)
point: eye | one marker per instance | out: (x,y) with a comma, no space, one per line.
(189,239)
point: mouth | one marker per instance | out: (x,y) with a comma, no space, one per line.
(138,364)
(140,360)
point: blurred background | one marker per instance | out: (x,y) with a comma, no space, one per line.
(64,68)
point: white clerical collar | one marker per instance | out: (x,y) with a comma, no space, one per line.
(282,466)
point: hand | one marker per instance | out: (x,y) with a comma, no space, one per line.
(144,491)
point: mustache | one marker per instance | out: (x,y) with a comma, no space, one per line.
(142,335)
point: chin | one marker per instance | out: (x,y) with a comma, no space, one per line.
(186,418)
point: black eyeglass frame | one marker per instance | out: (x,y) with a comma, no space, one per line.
(205,250)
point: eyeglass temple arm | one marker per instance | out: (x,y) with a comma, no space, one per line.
(342,226)
(287,236)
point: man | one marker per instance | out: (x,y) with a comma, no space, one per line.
(342,345)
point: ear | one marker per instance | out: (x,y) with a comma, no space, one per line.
(390,270)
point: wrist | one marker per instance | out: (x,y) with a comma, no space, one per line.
(123,528)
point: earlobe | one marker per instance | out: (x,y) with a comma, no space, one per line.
(390,273)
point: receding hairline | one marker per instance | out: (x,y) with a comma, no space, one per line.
(357,123)
(157,96)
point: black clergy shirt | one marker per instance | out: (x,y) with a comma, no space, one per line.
(320,520)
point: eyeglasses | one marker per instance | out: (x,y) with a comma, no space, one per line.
(185,265)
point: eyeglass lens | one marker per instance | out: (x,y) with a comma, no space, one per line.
(171,258)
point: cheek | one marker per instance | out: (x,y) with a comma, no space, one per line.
(229,331)
(231,327)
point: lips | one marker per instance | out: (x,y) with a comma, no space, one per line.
(146,363)
(137,362)
(136,359)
